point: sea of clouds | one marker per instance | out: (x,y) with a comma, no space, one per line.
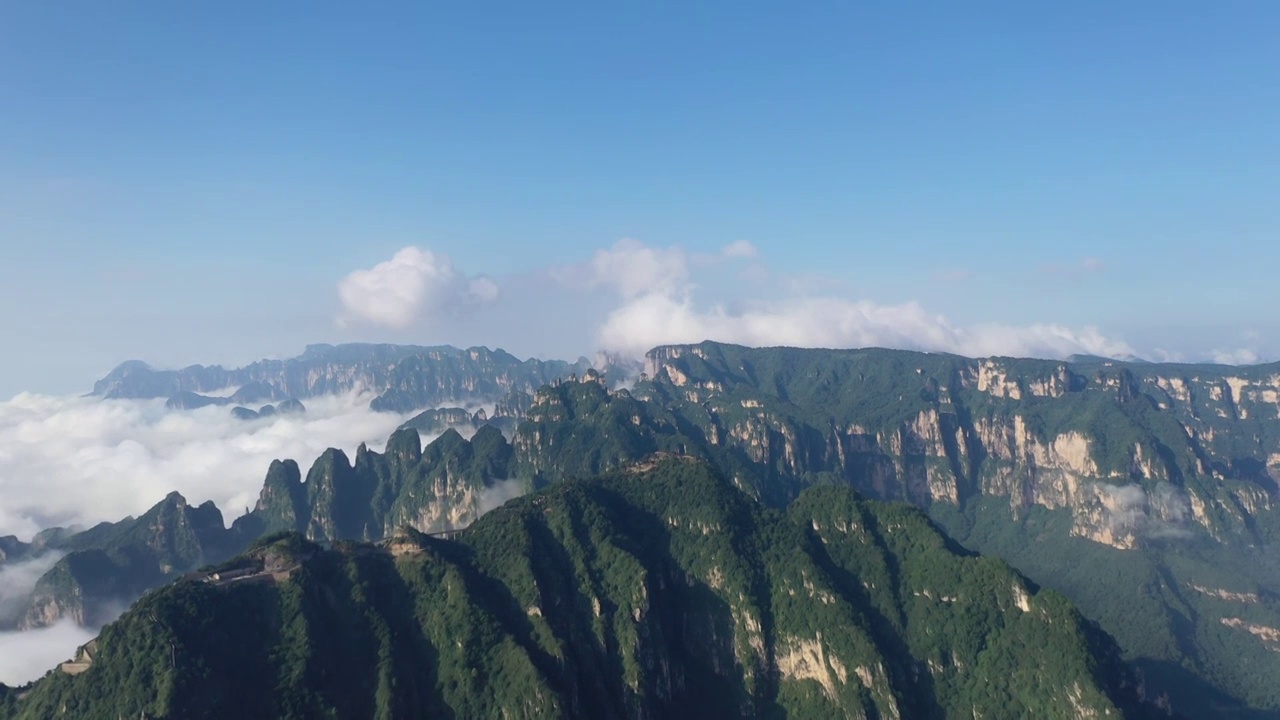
(68,461)
(82,460)
(28,655)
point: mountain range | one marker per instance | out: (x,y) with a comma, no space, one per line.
(405,377)
(1145,493)
(658,591)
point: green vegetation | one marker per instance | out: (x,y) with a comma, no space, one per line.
(1157,600)
(438,488)
(948,434)
(434,488)
(1045,464)
(430,378)
(653,592)
(115,562)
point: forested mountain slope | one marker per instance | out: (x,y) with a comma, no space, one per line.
(659,591)
(1145,492)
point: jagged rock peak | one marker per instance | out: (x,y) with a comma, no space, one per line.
(405,445)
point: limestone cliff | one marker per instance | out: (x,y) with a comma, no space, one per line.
(110,565)
(1128,449)
(442,487)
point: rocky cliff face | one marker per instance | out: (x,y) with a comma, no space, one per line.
(1126,456)
(108,566)
(1125,486)
(1128,449)
(11,548)
(441,488)
(507,414)
(444,487)
(477,373)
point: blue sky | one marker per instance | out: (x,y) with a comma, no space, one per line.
(192,182)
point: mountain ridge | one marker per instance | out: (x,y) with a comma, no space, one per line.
(404,377)
(1083,476)
(653,592)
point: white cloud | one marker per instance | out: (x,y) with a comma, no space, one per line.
(482,289)
(1049,340)
(497,495)
(646,296)
(70,461)
(414,284)
(739,249)
(658,318)
(1162,512)
(28,655)
(659,307)
(633,268)
(17,580)
(1239,356)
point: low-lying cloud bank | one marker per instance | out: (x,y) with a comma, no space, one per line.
(17,580)
(28,655)
(1162,511)
(66,460)
(498,494)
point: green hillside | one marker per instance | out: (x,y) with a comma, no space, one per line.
(660,591)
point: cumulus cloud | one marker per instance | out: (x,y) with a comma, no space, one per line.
(67,461)
(632,268)
(28,655)
(414,284)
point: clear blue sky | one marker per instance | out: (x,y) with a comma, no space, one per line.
(188,182)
